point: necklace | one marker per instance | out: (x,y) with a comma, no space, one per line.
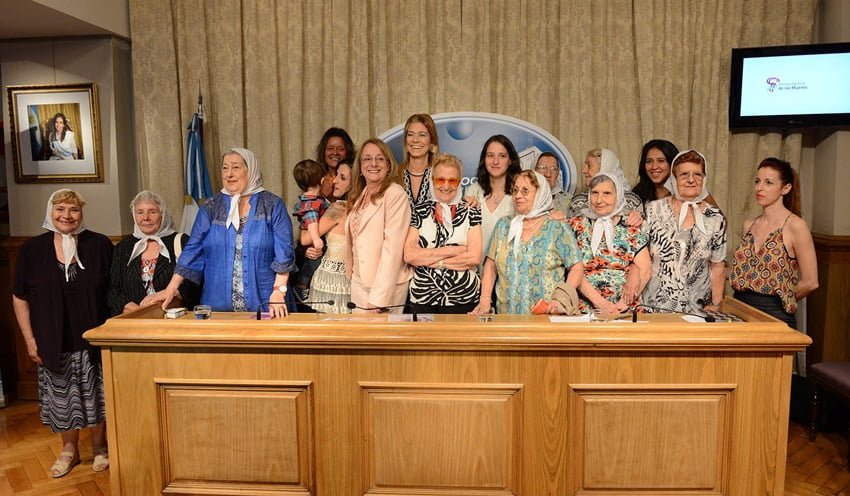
(415,174)
(533,224)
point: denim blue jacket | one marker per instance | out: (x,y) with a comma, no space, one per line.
(207,258)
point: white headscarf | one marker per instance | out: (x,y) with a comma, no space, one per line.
(542,206)
(605,224)
(255,185)
(166,226)
(445,208)
(699,218)
(610,164)
(69,241)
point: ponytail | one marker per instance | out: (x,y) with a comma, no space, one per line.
(787,175)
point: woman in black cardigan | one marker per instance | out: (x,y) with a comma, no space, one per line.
(144,262)
(58,293)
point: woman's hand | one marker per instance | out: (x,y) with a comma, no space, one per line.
(32,351)
(313,253)
(130,306)
(277,304)
(557,215)
(472,201)
(164,297)
(608,307)
(634,219)
(483,306)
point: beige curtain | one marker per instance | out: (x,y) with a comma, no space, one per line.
(612,73)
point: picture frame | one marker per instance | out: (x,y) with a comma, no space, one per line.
(55,133)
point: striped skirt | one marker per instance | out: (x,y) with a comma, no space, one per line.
(72,397)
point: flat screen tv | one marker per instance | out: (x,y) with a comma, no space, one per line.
(790,86)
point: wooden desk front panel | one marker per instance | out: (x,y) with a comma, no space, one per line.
(347,422)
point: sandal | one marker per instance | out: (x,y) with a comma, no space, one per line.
(101,461)
(64,463)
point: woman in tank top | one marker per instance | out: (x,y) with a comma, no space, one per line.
(774,266)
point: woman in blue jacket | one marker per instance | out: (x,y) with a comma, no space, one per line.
(240,248)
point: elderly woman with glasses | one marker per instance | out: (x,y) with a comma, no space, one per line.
(548,167)
(529,252)
(687,239)
(444,245)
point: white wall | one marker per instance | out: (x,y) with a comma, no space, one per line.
(106,62)
(112,15)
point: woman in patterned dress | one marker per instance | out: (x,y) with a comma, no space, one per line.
(529,251)
(144,262)
(241,244)
(687,240)
(421,145)
(330,282)
(444,245)
(775,265)
(59,292)
(610,248)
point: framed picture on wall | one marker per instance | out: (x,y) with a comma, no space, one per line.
(55,131)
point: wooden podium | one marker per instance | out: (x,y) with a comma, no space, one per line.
(517,406)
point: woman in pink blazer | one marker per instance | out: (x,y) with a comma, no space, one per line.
(376,229)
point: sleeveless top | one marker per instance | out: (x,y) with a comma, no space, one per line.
(769,270)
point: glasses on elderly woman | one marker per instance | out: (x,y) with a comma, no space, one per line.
(544,169)
(451,182)
(696,176)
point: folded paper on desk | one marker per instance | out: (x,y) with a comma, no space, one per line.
(569,318)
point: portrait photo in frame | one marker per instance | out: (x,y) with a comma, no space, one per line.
(55,133)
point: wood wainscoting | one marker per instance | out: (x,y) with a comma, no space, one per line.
(19,372)
(828,320)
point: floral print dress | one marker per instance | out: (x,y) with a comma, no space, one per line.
(607,270)
(535,269)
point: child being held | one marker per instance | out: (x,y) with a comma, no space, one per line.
(308,209)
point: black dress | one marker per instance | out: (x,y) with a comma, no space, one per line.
(126,280)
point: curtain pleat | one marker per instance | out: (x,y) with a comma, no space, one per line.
(595,73)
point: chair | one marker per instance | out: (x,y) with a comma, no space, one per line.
(833,377)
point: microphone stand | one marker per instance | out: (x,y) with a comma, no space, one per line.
(706,317)
(414,317)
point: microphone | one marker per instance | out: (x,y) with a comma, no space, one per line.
(351,305)
(706,317)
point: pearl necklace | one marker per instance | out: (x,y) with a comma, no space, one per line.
(415,174)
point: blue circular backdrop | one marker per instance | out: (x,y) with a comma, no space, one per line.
(463,134)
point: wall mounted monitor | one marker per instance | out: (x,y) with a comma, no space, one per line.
(790,86)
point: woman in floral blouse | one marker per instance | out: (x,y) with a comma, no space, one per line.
(609,248)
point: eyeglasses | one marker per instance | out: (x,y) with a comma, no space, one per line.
(380,159)
(543,169)
(696,176)
(523,191)
(451,182)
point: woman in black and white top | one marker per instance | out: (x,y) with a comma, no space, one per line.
(444,245)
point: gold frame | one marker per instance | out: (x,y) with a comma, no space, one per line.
(28,168)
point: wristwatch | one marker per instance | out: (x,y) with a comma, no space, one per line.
(282,288)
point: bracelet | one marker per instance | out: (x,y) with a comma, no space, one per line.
(441,265)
